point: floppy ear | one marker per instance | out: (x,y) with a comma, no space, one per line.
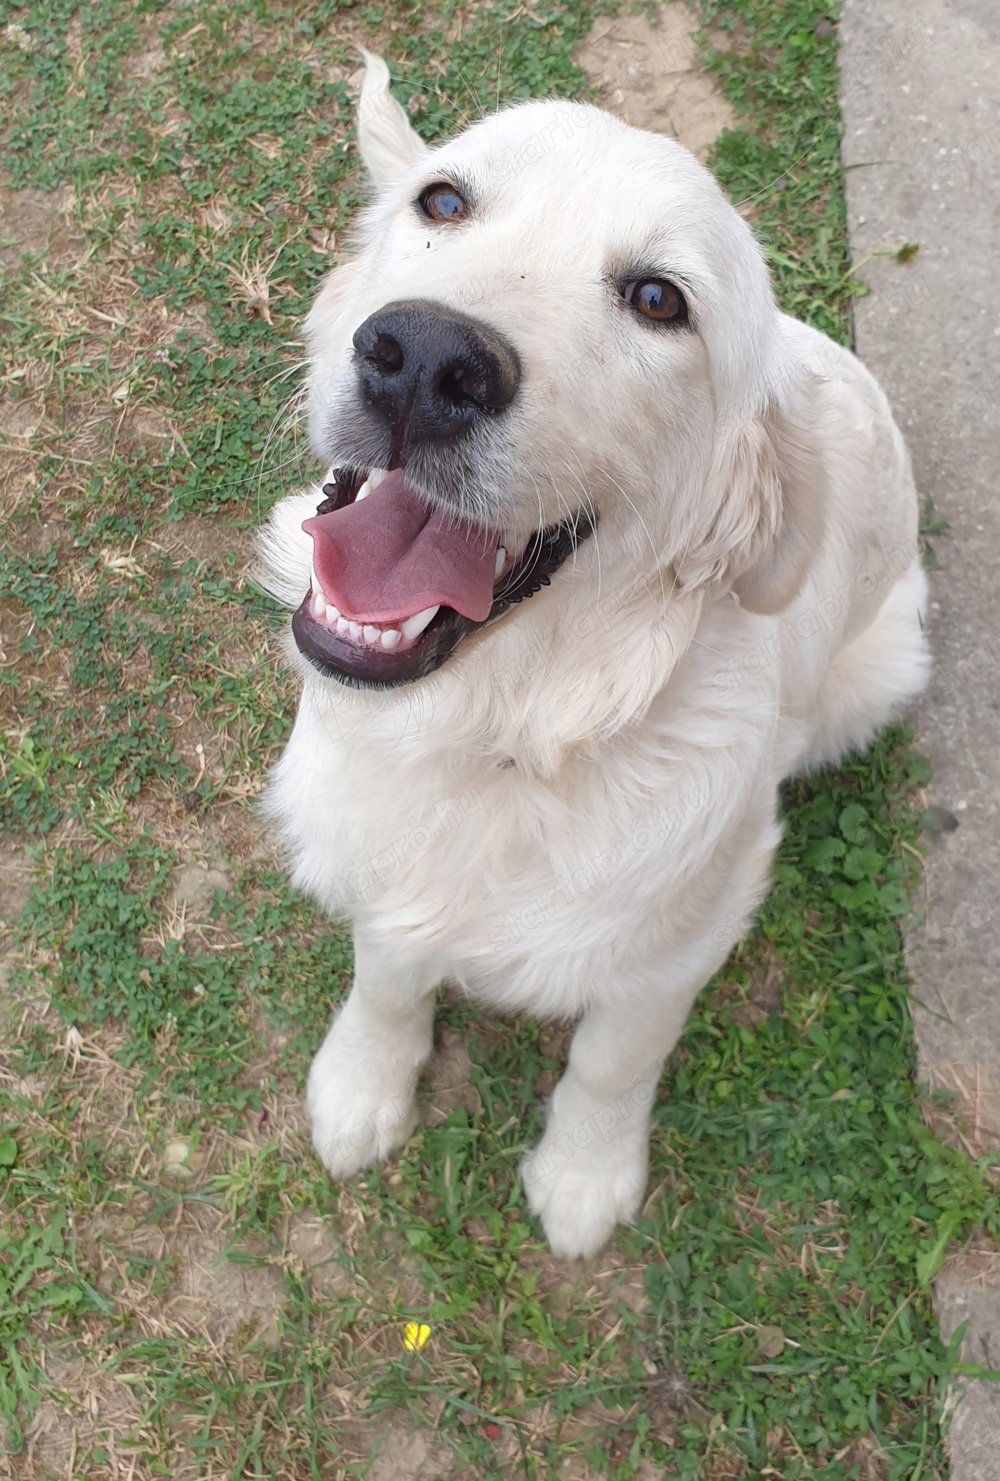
(767,486)
(388,143)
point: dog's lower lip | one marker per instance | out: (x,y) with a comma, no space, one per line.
(367,667)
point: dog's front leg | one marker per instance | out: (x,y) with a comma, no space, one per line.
(361,1095)
(588,1173)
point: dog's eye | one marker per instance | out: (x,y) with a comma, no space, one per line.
(443,203)
(656,299)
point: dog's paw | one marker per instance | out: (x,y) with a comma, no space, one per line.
(581,1193)
(359,1114)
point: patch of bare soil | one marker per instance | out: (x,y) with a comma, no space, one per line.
(402,1453)
(15,881)
(37,221)
(211,1297)
(647,72)
(449,1087)
(217,1296)
(20,420)
(112,1410)
(207,540)
(312,1247)
(194,886)
(759,996)
(575,1468)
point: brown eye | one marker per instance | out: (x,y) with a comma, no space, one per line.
(443,203)
(656,299)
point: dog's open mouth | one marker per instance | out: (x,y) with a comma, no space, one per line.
(397,584)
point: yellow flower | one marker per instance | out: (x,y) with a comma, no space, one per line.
(416,1336)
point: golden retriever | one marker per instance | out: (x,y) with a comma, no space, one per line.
(609,547)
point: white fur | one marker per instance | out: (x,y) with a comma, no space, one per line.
(751,607)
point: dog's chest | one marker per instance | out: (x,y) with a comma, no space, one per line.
(475,866)
(378,830)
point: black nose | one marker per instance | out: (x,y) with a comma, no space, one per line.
(431,372)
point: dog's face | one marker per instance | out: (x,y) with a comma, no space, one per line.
(556,332)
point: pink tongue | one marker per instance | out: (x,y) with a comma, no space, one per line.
(389,555)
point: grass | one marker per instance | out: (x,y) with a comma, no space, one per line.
(181,1291)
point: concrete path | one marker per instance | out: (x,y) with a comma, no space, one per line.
(920,93)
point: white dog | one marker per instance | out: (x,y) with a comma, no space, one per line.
(608,548)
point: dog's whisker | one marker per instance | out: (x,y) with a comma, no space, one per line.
(766,189)
(284,423)
(476,102)
(286,372)
(439,92)
(590,509)
(645,530)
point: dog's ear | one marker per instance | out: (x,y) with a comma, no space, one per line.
(767,487)
(388,143)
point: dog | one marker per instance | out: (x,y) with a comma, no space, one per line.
(609,547)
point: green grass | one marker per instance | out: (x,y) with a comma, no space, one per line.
(178,1282)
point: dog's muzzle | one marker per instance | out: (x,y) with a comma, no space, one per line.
(400,575)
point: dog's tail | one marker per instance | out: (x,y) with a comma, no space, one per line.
(875,677)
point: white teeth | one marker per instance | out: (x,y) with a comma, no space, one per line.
(501,561)
(373,480)
(414,626)
(385,638)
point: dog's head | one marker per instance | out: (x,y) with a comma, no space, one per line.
(554,356)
